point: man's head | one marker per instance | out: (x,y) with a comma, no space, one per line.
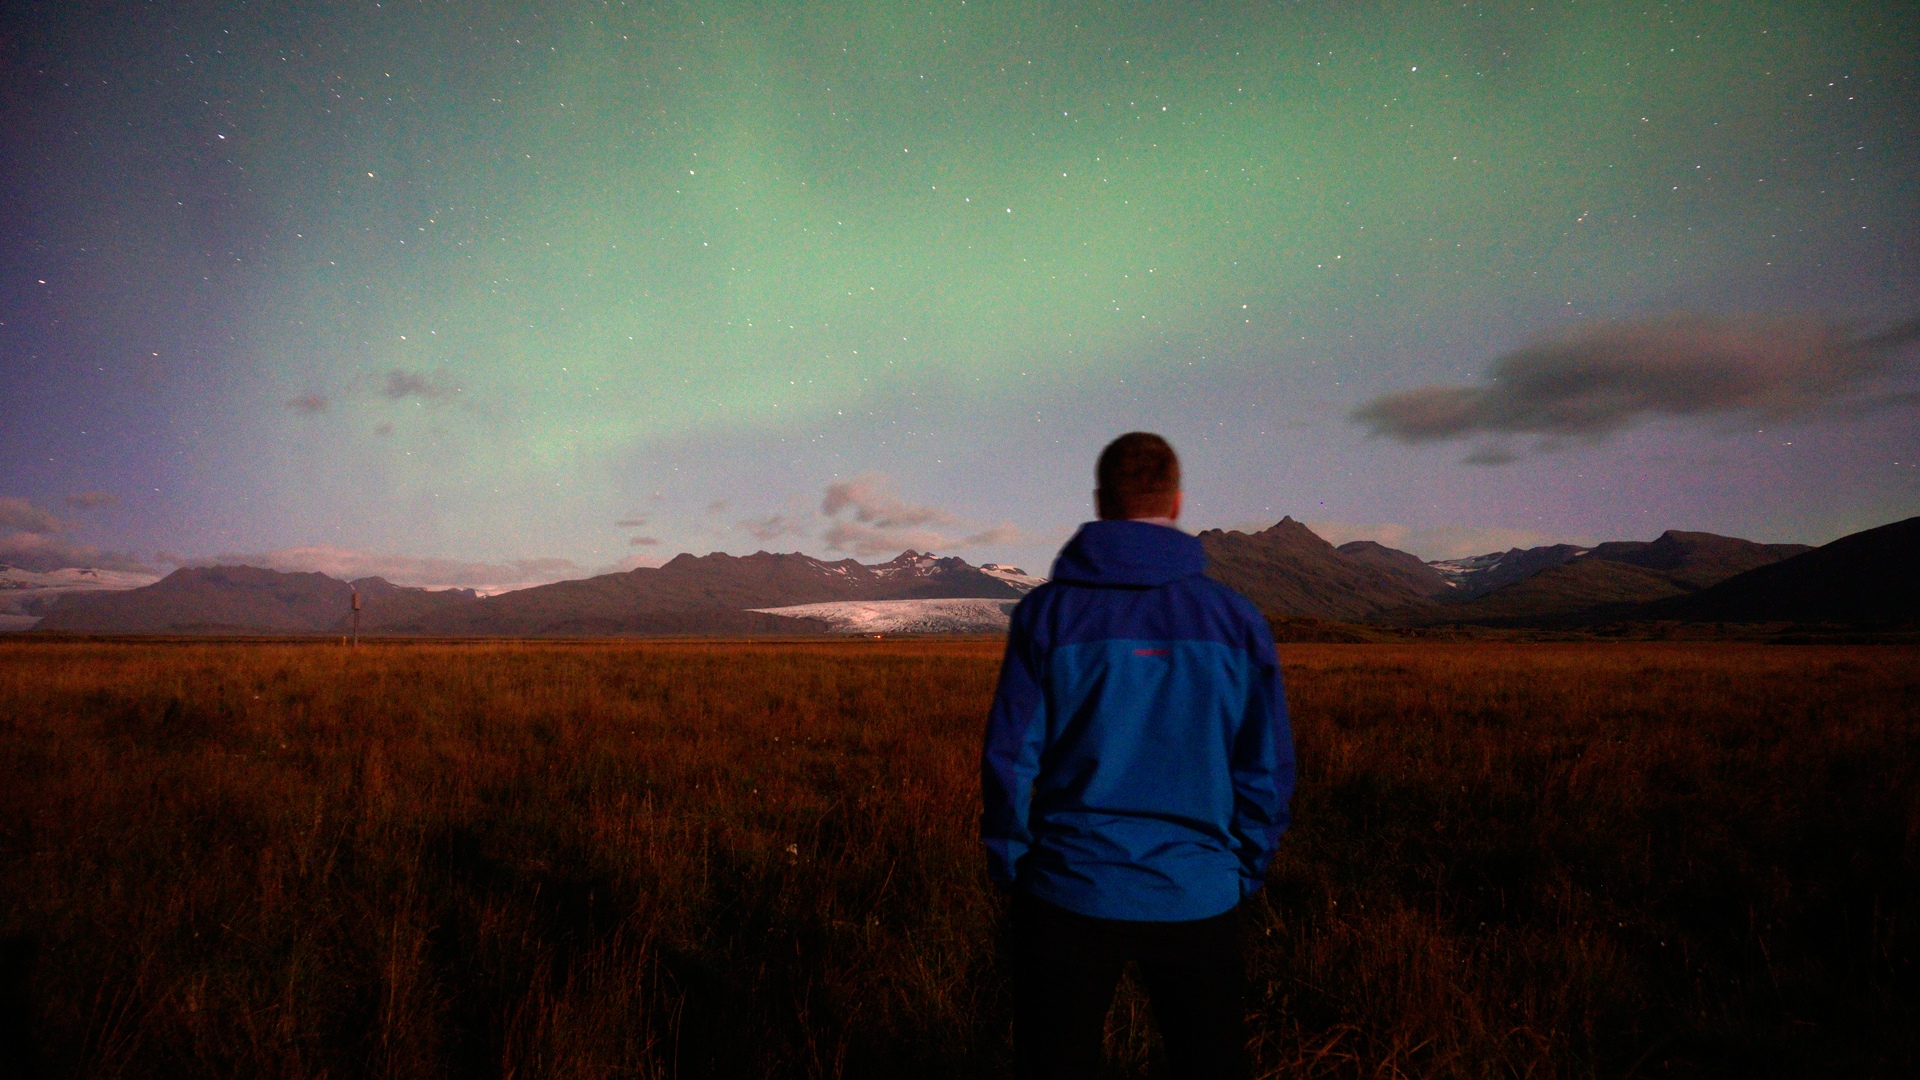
(1138,477)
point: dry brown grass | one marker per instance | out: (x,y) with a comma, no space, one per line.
(688,859)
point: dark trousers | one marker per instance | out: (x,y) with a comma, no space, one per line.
(1065,969)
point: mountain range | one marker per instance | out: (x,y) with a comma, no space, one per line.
(1286,570)
(711,594)
(1866,578)
(1567,585)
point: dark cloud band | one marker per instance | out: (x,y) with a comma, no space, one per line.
(1595,380)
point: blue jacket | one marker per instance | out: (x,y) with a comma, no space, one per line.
(1137,762)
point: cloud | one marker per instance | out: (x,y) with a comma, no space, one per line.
(92,500)
(433,386)
(1003,533)
(41,552)
(310,405)
(873,503)
(864,540)
(771,527)
(1594,380)
(882,524)
(1491,454)
(35,538)
(1438,541)
(717,506)
(21,514)
(383,429)
(636,522)
(349,564)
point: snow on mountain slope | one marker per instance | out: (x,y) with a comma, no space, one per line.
(1483,573)
(942,616)
(1459,571)
(25,595)
(1013,576)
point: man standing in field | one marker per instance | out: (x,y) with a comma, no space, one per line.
(1136,775)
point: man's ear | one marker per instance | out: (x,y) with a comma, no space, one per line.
(1173,512)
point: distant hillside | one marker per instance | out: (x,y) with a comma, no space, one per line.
(1393,564)
(715,583)
(1565,585)
(1870,577)
(1584,590)
(1697,559)
(690,595)
(244,599)
(1287,571)
(1484,573)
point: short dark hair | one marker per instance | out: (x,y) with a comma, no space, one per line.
(1138,476)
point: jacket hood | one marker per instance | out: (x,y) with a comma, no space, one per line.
(1135,553)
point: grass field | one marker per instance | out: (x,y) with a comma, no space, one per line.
(757,859)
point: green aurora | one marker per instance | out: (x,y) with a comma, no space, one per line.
(486,275)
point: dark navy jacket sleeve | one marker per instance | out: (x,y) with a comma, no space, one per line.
(1262,765)
(1010,756)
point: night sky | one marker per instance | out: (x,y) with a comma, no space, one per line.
(491,293)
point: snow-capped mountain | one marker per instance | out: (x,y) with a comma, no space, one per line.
(710,594)
(1459,571)
(1286,570)
(1478,574)
(1571,584)
(922,564)
(1012,575)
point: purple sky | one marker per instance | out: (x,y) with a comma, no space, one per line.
(494,293)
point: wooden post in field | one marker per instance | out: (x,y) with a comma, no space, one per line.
(355,601)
